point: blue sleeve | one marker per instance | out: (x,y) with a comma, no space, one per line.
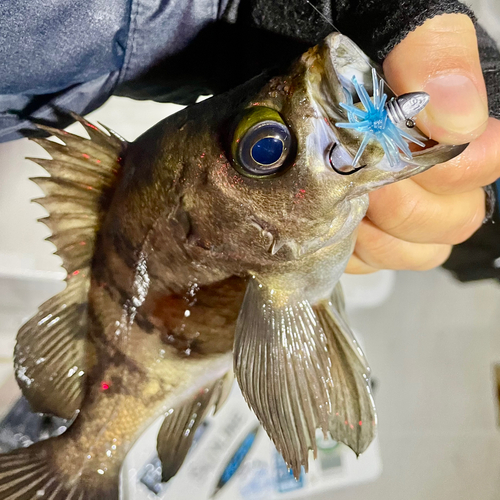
(72,54)
(57,52)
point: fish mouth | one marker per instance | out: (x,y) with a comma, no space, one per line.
(332,66)
(337,65)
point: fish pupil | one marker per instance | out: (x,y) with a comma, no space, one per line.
(268,150)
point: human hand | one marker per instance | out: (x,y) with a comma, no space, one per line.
(413,224)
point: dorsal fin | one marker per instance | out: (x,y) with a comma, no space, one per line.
(50,355)
(82,173)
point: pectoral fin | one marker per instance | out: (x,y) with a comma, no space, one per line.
(179,427)
(299,369)
(353,419)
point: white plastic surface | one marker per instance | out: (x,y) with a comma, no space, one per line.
(261,475)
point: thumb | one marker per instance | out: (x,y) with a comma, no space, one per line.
(441,58)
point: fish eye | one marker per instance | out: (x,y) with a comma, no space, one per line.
(262,143)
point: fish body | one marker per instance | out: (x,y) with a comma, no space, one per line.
(216,239)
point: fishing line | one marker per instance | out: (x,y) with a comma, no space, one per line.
(323,16)
(356,169)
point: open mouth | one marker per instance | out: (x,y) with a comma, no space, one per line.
(372,126)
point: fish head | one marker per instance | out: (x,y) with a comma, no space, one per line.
(271,194)
(265,181)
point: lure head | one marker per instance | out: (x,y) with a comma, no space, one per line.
(406,107)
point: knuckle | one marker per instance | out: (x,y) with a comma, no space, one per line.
(435,258)
(458,174)
(375,247)
(358,266)
(465,233)
(469,227)
(446,178)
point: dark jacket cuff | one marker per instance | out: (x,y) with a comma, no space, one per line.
(379,26)
(479,257)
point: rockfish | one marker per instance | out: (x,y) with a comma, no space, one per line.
(214,242)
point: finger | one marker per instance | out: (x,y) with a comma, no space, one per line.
(478,165)
(378,249)
(441,58)
(407,211)
(357,266)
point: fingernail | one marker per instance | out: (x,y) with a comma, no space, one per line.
(456,104)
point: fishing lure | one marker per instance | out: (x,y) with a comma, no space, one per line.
(382,122)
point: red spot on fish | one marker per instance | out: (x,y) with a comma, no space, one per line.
(360,422)
(86,156)
(98,161)
(83,243)
(346,422)
(105,386)
(300,194)
(203,155)
(76,273)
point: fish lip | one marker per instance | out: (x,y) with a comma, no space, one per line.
(325,87)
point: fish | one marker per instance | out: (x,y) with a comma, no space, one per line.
(208,249)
